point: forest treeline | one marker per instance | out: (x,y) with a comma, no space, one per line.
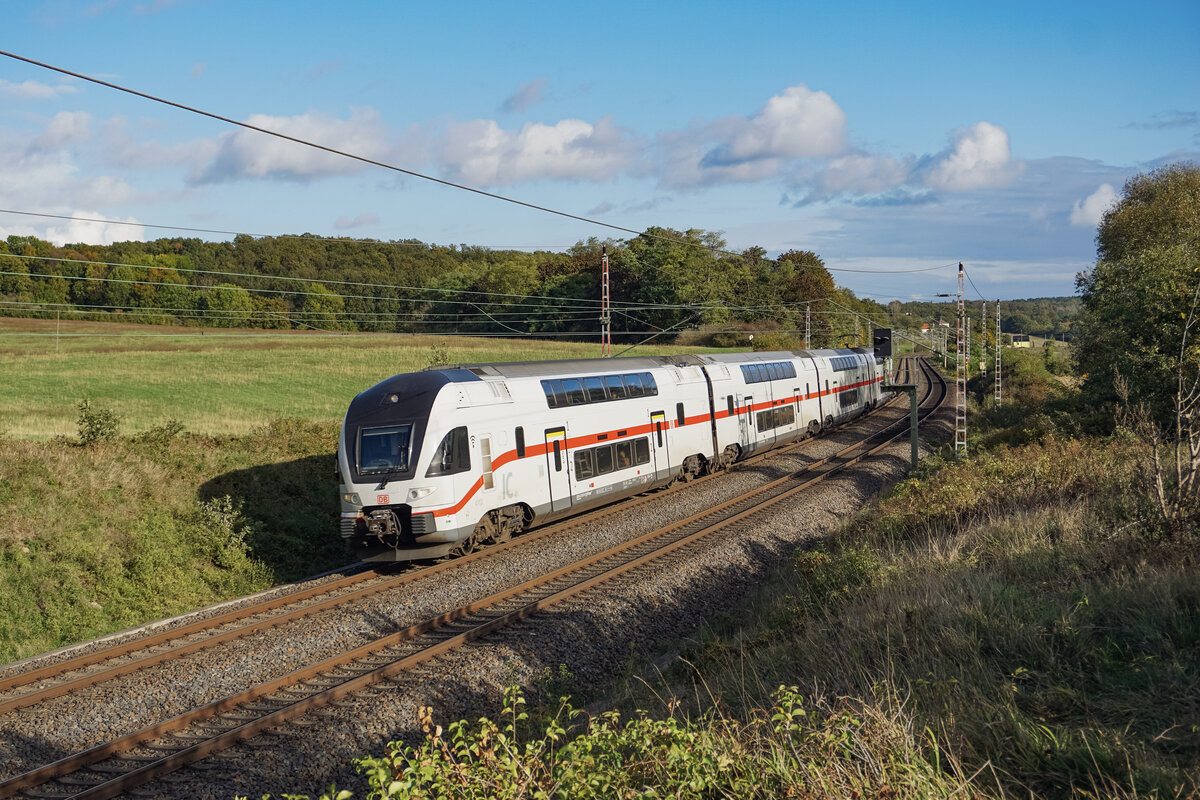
(662,280)
(1051,317)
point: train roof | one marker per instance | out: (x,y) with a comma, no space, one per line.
(593,366)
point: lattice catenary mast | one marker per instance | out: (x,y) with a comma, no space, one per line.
(605,307)
(983,320)
(960,384)
(998,352)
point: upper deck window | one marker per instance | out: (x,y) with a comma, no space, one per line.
(771,371)
(598,389)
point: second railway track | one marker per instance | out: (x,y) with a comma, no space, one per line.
(297,692)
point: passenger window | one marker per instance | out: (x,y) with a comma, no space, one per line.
(548,388)
(634,384)
(641,451)
(649,385)
(624,455)
(658,428)
(616,388)
(595,390)
(679,415)
(574,391)
(729,400)
(583,465)
(557,456)
(520,436)
(604,460)
(560,395)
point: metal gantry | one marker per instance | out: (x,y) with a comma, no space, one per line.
(605,308)
(960,383)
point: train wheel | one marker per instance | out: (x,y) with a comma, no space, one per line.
(731,454)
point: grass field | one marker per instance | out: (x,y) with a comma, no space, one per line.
(218,382)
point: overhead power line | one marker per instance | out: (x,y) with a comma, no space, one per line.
(325,148)
(405,171)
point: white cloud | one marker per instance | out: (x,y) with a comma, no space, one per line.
(482,153)
(526,95)
(979,159)
(864,174)
(32,90)
(364,220)
(198,69)
(250,154)
(94,232)
(66,127)
(1089,213)
(95,228)
(798,123)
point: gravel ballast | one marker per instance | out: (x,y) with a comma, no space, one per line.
(597,638)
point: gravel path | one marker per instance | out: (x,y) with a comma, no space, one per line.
(596,639)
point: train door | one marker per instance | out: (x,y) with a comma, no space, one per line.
(659,443)
(556,469)
(746,424)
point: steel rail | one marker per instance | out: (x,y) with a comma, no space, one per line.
(248,729)
(333,598)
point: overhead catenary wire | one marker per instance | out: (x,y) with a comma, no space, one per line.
(545,300)
(341,239)
(431,245)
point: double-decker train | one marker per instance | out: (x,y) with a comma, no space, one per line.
(440,461)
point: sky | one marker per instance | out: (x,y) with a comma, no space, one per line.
(886,137)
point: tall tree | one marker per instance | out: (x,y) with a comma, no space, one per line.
(1137,298)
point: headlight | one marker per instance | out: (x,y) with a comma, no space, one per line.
(352,497)
(417,494)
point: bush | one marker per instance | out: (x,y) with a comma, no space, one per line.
(96,423)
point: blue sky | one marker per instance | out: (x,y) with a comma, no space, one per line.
(883,136)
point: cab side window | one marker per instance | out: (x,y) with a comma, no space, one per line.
(453,455)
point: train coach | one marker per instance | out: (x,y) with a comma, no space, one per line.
(441,461)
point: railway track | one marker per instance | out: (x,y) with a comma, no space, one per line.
(124,657)
(163,747)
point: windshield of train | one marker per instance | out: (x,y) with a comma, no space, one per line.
(383,449)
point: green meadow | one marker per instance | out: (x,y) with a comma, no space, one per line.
(219,382)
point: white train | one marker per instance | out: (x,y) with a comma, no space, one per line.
(440,461)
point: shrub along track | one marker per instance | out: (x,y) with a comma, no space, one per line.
(270,704)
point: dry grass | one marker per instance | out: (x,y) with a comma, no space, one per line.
(1031,631)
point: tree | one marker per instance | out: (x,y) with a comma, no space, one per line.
(322,308)
(1137,299)
(230,305)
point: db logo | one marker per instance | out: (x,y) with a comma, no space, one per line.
(382,499)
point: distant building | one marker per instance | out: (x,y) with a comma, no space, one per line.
(1020,340)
